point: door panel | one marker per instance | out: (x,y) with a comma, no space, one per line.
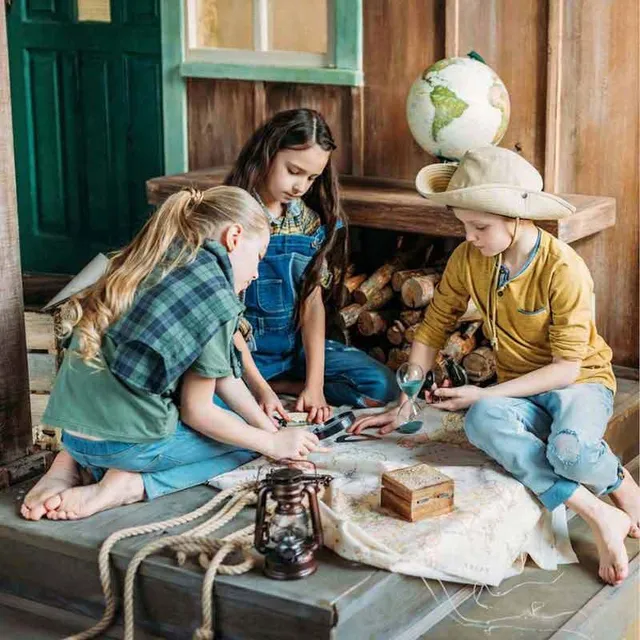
(87,102)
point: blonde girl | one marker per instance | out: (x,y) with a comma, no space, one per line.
(147,347)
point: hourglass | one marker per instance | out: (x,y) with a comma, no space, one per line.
(410,379)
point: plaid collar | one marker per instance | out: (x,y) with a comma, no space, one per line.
(170,322)
(293,209)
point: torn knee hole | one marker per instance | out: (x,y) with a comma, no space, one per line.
(566,447)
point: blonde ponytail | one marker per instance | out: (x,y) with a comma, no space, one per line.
(182,224)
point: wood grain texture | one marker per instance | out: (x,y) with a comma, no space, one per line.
(220,116)
(512,39)
(15,416)
(40,332)
(598,137)
(334,103)
(401,39)
(42,371)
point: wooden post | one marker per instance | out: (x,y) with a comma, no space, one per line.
(15,414)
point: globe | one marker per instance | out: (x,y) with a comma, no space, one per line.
(457,104)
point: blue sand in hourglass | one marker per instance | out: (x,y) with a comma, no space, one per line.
(410,427)
(411,387)
(410,377)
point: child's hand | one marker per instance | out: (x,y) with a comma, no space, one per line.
(430,394)
(313,402)
(294,442)
(455,398)
(269,402)
(386,422)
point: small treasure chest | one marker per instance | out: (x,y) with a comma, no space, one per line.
(417,492)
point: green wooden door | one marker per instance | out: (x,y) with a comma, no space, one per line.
(87,116)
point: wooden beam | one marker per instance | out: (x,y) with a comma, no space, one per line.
(357,131)
(259,104)
(452,29)
(15,415)
(554,90)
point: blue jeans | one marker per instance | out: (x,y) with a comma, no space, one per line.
(551,442)
(182,460)
(351,377)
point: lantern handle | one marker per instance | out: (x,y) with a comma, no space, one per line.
(315,517)
(261,535)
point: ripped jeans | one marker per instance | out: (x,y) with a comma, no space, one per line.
(551,442)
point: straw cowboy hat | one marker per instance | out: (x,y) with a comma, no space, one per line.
(494,180)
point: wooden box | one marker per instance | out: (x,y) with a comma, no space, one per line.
(417,492)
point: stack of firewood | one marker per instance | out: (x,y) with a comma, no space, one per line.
(381,313)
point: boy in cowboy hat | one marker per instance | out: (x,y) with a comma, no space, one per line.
(545,419)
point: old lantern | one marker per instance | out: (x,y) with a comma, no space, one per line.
(290,535)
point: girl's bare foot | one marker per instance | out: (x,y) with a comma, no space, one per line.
(627,498)
(62,475)
(115,489)
(610,527)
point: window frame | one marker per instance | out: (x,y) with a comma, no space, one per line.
(344,59)
(341,65)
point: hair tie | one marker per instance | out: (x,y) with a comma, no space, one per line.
(195,197)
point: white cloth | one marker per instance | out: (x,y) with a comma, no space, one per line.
(495,524)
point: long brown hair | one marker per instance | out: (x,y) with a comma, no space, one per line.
(300,129)
(171,237)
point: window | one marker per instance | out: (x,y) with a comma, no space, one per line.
(93,10)
(317,41)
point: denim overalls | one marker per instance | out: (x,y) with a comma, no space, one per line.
(351,376)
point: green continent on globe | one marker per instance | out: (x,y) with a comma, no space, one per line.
(448,107)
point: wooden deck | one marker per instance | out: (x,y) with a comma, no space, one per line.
(48,570)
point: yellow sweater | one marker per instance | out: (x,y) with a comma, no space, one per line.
(543,312)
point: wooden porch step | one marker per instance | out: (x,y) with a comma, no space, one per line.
(622,433)
(55,564)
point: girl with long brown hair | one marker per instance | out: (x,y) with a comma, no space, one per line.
(286,165)
(148,346)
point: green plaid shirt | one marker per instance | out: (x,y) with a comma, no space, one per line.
(171,321)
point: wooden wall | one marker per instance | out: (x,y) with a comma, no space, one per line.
(15,414)
(571,67)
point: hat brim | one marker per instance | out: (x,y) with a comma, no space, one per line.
(500,199)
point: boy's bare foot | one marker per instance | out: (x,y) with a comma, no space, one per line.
(62,475)
(627,498)
(116,488)
(610,527)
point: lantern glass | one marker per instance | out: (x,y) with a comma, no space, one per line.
(287,527)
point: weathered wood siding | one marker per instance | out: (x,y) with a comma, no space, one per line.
(15,416)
